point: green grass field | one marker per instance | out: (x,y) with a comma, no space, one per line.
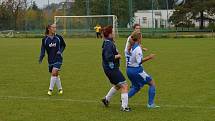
(184,71)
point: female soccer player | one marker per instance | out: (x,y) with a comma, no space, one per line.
(54,45)
(110,61)
(136,73)
(136,28)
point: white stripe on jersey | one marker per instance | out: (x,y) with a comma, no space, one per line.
(134,59)
(126,46)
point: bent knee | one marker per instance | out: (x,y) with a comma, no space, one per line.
(54,72)
(124,87)
(151,83)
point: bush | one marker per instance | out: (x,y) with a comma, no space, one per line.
(211,26)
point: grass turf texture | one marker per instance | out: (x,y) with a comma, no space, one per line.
(183,70)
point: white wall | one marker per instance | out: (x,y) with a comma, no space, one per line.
(144,18)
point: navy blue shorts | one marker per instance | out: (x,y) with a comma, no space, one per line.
(115,76)
(56,65)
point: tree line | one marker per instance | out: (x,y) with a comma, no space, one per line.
(19,15)
(198,10)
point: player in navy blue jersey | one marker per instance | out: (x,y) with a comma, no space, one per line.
(54,46)
(111,61)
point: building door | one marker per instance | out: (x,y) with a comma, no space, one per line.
(156,23)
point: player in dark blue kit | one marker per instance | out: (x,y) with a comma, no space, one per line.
(111,61)
(54,45)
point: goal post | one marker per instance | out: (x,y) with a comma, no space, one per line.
(84,25)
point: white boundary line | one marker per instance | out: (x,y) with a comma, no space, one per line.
(96,101)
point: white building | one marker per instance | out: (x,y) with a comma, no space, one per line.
(67,4)
(160,17)
(2,1)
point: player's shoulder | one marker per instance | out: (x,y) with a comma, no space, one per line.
(59,36)
(108,43)
(137,48)
(44,38)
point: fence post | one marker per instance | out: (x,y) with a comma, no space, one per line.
(176,32)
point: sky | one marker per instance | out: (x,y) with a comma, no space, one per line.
(42,3)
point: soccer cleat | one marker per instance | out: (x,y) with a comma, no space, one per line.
(49,92)
(60,92)
(127,109)
(152,106)
(105,102)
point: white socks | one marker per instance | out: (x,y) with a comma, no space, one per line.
(55,79)
(58,82)
(124,98)
(52,82)
(111,92)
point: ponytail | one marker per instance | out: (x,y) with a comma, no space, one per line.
(47,29)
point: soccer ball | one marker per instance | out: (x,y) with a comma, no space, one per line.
(179,2)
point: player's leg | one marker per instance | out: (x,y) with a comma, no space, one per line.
(97,35)
(133,90)
(117,79)
(112,90)
(151,95)
(134,85)
(52,80)
(100,35)
(147,79)
(124,97)
(55,72)
(59,86)
(120,79)
(110,94)
(151,92)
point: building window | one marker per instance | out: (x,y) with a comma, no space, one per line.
(144,20)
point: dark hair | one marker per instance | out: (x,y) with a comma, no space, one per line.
(47,28)
(135,36)
(135,25)
(107,30)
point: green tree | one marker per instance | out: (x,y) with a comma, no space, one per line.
(34,6)
(79,7)
(16,12)
(193,10)
(6,17)
(120,9)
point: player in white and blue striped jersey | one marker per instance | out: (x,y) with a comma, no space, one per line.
(136,28)
(136,73)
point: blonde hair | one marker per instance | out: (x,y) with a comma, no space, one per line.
(135,36)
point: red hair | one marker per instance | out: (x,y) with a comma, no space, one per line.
(107,30)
